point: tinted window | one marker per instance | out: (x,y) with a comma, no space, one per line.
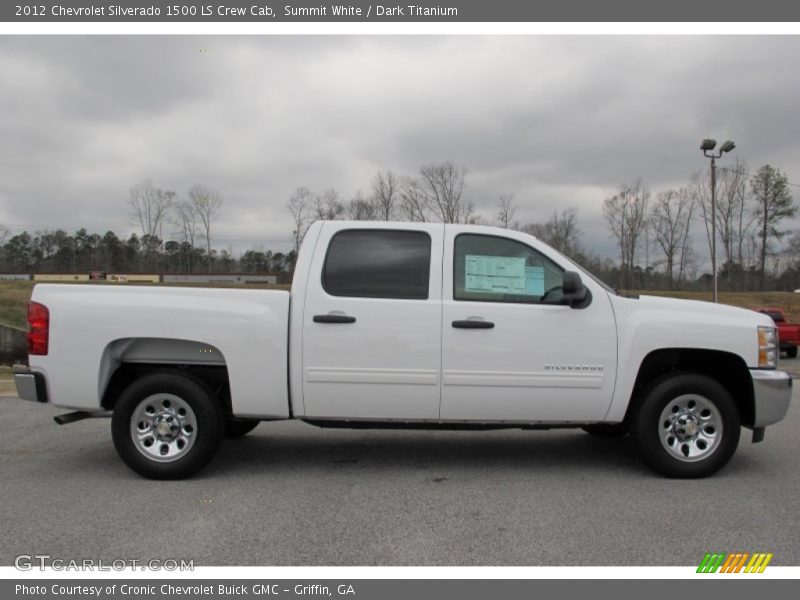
(373,263)
(495,269)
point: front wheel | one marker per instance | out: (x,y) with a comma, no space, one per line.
(792,352)
(167,426)
(687,426)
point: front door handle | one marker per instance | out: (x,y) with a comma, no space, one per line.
(473,324)
(333,319)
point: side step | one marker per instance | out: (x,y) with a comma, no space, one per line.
(79,415)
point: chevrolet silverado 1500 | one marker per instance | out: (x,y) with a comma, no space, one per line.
(406,325)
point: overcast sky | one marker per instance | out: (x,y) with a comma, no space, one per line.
(557,121)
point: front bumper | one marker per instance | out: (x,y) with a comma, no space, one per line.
(30,385)
(772,393)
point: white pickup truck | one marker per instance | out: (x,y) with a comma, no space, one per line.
(406,325)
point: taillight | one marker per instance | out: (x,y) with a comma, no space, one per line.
(38,328)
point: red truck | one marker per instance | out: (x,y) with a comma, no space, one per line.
(788,333)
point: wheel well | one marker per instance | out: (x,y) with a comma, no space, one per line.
(215,377)
(727,369)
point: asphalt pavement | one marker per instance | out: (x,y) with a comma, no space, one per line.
(292,494)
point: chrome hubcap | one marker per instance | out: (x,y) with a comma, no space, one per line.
(690,428)
(163,427)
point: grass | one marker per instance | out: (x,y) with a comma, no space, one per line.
(6,382)
(14,296)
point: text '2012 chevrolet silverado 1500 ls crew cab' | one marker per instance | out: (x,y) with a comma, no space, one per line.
(406,325)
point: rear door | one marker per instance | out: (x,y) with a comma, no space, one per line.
(372,323)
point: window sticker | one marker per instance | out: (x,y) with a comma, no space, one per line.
(495,274)
(534,281)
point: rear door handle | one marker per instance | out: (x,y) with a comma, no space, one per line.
(333,319)
(473,324)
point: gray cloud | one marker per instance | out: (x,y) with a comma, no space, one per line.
(557,121)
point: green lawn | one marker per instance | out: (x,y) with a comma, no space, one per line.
(14,296)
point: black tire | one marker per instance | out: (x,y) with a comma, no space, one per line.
(682,389)
(792,352)
(208,424)
(236,428)
(606,430)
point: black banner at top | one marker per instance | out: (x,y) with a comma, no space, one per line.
(215,11)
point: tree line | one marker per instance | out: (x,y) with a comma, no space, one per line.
(653,232)
(175,235)
(750,222)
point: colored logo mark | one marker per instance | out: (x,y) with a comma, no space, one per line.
(734,562)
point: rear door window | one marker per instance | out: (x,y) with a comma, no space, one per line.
(377,263)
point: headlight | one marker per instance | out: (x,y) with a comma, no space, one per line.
(767,348)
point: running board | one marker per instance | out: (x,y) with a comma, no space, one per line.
(79,415)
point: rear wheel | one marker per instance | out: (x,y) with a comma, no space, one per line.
(792,352)
(167,426)
(688,425)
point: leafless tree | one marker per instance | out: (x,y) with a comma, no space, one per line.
(626,214)
(442,187)
(185,219)
(207,204)
(560,231)
(385,194)
(505,211)
(299,205)
(733,217)
(733,190)
(327,206)
(413,202)
(670,219)
(149,208)
(361,208)
(688,263)
(688,258)
(564,231)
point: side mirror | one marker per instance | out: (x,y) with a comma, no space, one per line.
(575,293)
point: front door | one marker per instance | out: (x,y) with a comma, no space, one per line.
(372,323)
(511,349)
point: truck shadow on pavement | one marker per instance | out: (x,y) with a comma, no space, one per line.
(299,448)
(401,452)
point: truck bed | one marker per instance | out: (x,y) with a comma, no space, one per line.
(245,331)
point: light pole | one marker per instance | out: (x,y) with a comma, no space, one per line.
(707,146)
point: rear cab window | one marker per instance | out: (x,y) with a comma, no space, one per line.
(378,263)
